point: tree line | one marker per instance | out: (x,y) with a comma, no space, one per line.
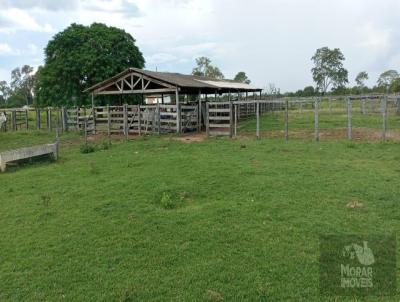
(81,56)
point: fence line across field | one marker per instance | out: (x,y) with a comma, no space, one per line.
(218,117)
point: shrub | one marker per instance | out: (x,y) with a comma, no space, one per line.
(86,148)
(167,202)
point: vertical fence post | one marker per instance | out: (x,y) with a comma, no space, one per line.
(94,118)
(316,127)
(50,120)
(109,124)
(236,117)
(126,130)
(230,119)
(207,119)
(159,118)
(38,119)
(330,104)
(85,129)
(77,118)
(139,120)
(349,118)
(199,114)
(14,120)
(258,119)
(287,120)
(178,112)
(64,117)
(27,119)
(362,105)
(384,116)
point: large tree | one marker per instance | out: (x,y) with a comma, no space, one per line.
(361,78)
(242,77)
(205,69)
(22,81)
(328,70)
(81,56)
(387,78)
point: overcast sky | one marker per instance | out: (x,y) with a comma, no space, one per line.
(271,40)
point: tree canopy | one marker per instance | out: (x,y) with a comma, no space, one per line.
(387,78)
(328,70)
(361,78)
(81,56)
(205,69)
(242,77)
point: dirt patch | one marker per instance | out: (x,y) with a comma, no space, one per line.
(189,138)
(355,205)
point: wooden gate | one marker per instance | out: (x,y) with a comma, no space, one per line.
(219,118)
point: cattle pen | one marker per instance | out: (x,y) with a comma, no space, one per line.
(177,103)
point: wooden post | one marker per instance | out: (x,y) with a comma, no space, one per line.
(199,114)
(94,117)
(398,104)
(14,120)
(258,119)
(236,116)
(126,130)
(109,123)
(158,118)
(363,106)
(50,126)
(85,130)
(64,119)
(139,120)
(330,104)
(287,120)
(27,119)
(384,115)
(230,120)
(178,112)
(316,127)
(207,119)
(349,118)
(38,121)
(77,118)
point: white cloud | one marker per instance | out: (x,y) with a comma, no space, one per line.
(15,19)
(5,49)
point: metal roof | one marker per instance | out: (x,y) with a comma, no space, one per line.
(182,81)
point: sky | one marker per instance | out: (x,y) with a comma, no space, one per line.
(271,40)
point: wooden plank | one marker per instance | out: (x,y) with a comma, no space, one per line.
(219,125)
(216,133)
(211,110)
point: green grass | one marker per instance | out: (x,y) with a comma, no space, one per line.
(21,138)
(160,220)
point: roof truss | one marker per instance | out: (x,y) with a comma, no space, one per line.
(134,83)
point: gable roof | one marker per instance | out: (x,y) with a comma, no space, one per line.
(182,81)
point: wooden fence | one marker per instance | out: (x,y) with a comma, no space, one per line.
(126,119)
(222,117)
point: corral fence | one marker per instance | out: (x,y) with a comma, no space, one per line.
(353,117)
(125,119)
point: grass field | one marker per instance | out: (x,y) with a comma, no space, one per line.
(155,219)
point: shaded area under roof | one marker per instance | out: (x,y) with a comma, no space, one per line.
(190,84)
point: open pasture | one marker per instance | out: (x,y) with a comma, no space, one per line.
(157,219)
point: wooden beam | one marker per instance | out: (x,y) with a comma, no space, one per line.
(141,91)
